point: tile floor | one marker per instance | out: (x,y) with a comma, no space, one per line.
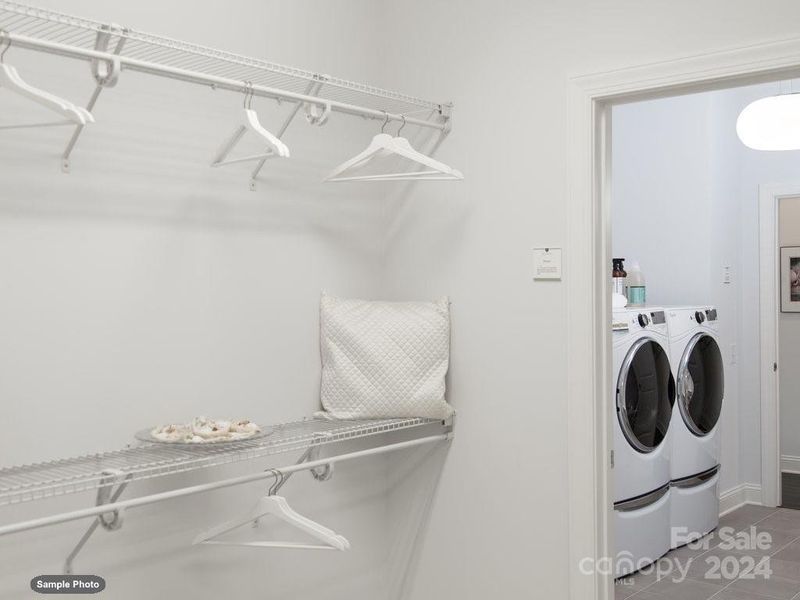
(717,569)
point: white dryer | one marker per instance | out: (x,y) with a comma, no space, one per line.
(644,394)
(699,374)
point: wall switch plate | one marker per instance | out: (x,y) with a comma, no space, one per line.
(734,358)
(547,263)
(726,275)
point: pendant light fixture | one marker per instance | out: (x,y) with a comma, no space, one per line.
(771,123)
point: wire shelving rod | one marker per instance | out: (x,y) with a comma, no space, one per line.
(58,33)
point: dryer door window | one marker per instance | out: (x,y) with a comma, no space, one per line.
(701,384)
(645,395)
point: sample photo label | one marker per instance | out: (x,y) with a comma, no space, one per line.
(68,584)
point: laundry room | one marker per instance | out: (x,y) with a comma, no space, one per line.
(704,217)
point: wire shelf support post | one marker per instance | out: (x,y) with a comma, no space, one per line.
(111,521)
(105,77)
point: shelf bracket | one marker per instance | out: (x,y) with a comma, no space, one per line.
(324,472)
(449,425)
(446,113)
(106,74)
(320,473)
(312,89)
(111,521)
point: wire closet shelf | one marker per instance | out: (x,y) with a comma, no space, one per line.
(59,33)
(42,480)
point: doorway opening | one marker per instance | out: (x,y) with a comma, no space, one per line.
(780,325)
(685,214)
(593,101)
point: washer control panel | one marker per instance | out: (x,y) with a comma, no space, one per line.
(653,318)
(633,320)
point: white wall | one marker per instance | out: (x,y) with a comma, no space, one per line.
(662,175)
(498,524)
(789,340)
(145,287)
(493,521)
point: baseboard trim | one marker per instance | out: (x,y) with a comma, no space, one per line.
(790,464)
(744,493)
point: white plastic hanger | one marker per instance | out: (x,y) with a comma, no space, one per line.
(11,80)
(383,145)
(277,149)
(278,507)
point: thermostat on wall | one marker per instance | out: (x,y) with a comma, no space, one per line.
(547,263)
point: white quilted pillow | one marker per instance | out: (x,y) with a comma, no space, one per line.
(384,359)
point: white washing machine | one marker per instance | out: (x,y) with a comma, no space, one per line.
(695,461)
(644,394)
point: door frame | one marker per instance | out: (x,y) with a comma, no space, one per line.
(588,285)
(769,196)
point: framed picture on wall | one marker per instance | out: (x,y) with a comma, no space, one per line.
(790,279)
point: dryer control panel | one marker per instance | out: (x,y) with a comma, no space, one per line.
(684,320)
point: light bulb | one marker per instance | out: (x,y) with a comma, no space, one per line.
(771,123)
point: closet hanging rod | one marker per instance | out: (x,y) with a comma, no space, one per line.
(162,70)
(207,487)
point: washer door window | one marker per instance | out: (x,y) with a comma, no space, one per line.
(701,384)
(645,395)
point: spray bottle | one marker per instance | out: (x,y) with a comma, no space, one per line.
(637,293)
